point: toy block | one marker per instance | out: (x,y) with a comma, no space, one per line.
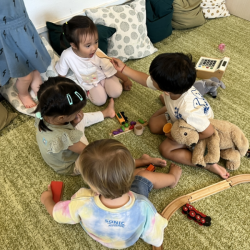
(57,190)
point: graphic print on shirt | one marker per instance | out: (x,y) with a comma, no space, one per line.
(200,101)
(115,223)
(90,78)
(177,114)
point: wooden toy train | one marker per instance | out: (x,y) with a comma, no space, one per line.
(196,215)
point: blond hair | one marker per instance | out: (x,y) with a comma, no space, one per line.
(108,166)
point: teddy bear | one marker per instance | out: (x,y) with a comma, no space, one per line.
(227,142)
(209,86)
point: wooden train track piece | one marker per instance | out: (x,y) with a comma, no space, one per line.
(200,194)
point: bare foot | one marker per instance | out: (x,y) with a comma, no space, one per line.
(176,171)
(27,101)
(219,170)
(110,110)
(145,160)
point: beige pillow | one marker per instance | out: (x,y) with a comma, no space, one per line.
(187,14)
(5,117)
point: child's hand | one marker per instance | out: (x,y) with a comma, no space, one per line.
(78,118)
(46,195)
(127,85)
(118,64)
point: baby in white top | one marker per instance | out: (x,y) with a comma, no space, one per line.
(97,76)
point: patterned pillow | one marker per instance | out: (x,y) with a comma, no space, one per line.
(214,8)
(9,90)
(130,40)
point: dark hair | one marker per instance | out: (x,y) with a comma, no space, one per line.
(108,166)
(76,27)
(53,101)
(173,72)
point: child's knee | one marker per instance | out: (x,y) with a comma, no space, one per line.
(164,149)
(99,101)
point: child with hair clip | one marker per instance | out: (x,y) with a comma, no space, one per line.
(22,53)
(60,123)
(96,75)
(115,211)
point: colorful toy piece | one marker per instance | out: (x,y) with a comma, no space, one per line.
(57,190)
(151,168)
(120,118)
(167,128)
(127,128)
(222,47)
(196,215)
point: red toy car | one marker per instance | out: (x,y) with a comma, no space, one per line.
(196,215)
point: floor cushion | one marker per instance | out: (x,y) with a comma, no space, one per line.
(187,14)
(214,9)
(5,117)
(159,17)
(130,40)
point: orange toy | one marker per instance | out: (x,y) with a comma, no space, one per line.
(167,128)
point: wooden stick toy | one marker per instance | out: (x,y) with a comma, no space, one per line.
(57,190)
(102,55)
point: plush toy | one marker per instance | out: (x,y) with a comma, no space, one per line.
(227,142)
(209,86)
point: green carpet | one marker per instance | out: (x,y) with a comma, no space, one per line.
(24,222)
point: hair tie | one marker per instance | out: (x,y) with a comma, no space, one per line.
(39,115)
(63,33)
(66,22)
(69,99)
(78,95)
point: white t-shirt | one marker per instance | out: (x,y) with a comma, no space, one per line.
(190,106)
(88,71)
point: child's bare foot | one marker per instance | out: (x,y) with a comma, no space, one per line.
(27,101)
(110,110)
(145,160)
(176,171)
(219,170)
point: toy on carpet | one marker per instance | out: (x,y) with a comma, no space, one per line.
(167,128)
(137,127)
(227,142)
(222,47)
(151,168)
(211,67)
(57,190)
(209,86)
(197,216)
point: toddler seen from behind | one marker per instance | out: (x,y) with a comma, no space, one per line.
(115,211)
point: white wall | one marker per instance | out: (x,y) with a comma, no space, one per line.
(59,11)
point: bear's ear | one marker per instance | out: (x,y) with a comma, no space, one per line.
(184,124)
